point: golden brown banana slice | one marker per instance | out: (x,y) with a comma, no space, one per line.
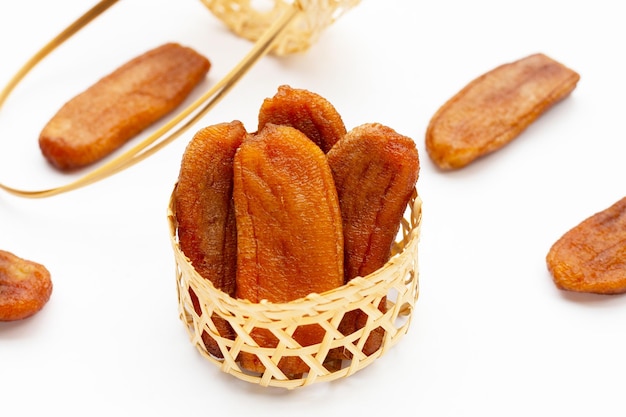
(308,112)
(25,287)
(495,108)
(289,236)
(205,213)
(119,106)
(591,257)
(375,171)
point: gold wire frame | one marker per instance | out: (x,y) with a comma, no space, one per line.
(288,27)
(397,280)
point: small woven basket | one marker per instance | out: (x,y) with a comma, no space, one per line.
(397,282)
(250,19)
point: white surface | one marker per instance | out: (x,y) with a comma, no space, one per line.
(491,334)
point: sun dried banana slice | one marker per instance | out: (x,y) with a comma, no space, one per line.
(306,111)
(495,108)
(289,236)
(375,171)
(25,287)
(119,106)
(205,213)
(591,257)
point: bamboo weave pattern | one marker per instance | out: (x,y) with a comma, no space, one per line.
(250,20)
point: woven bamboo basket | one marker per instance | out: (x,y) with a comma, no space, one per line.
(397,282)
(251,19)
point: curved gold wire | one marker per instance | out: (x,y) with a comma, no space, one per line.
(149,145)
(68,32)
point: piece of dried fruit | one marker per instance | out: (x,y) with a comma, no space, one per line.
(119,106)
(289,236)
(375,171)
(495,108)
(308,112)
(25,287)
(591,257)
(205,213)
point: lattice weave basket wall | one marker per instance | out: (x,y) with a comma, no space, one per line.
(397,282)
(251,19)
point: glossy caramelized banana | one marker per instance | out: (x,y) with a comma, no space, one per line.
(205,213)
(25,287)
(101,119)
(591,257)
(375,171)
(495,108)
(290,241)
(308,112)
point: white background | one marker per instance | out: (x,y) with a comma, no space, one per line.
(491,334)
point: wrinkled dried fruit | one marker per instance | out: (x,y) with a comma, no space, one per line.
(25,287)
(591,257)
(495,108)
(205,213)
(375,171)
(289,236)
(204,203)
(109,113)
(308,112)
